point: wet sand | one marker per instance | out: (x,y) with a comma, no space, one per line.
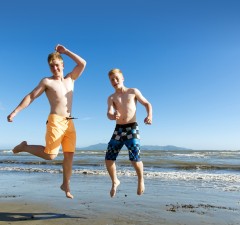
(36,198)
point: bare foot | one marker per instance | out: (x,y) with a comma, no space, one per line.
(67,191)
(20,147)
(141,187)
(114,188)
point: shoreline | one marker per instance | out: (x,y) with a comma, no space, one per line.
(35,198)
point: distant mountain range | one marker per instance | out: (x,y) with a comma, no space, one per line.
(103,146)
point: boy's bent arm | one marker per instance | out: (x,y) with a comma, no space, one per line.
(81,63)
(148,119)
(146,104)
(112,114)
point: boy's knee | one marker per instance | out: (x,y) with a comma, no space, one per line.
(51,157)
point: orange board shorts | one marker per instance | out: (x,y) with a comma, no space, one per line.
(60,131)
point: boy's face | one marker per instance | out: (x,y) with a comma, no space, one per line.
(56,67)
(116,80)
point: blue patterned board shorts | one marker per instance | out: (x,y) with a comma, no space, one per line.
(126,134)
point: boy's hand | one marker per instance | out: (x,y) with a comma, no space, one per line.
(148,120)
(117,115)
(61,49)
(10,117)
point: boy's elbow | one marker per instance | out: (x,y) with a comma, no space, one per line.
(147,105)
(84,63)
(110,116)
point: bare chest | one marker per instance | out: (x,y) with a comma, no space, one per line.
(124,100)
(59,88)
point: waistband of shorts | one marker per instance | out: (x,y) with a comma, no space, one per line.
(126,125)
(55,116)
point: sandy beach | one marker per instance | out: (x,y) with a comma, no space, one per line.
(35,198)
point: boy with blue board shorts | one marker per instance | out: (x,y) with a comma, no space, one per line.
(122,108)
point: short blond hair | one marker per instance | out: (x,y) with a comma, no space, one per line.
(114,71)
(53,56)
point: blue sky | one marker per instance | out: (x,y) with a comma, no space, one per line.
(183,55)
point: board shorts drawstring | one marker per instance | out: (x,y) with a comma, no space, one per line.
(71,118)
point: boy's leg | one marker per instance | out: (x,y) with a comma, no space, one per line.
(111,168)
(68,147)
(114,147)
(132,142)
(37,150)
(67,173)
(138,166)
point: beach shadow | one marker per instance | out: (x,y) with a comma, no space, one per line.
(4,216)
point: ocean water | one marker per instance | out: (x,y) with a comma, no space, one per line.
(203,168)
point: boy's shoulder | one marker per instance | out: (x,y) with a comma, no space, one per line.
(132,90)
(112,95)
(47,78)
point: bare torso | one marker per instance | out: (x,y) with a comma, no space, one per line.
(59,94)
(125,103)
